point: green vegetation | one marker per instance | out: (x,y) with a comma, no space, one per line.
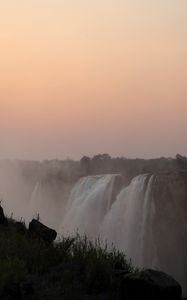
(72,268)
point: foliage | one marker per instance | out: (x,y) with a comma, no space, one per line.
(71,268)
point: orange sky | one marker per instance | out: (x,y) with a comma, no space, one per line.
(83,77)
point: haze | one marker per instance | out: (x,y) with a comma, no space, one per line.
(84,77)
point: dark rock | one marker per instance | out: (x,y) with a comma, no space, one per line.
(11,291)
(41,231)
(27,290)
(102,296)
(168,225)
(3,219)
(150,285)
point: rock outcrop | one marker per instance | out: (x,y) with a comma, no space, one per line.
(150,285)
(41,231)
(3,219)
(169,224)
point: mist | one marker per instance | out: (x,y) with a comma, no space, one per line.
(34,189)
(93,102)
(138,206)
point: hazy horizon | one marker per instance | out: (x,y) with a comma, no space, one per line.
(43,159)
(81,78)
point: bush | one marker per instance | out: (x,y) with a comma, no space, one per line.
(70,268)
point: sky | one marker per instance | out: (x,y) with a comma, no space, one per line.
(81,77)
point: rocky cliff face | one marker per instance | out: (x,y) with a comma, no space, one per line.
(169,193)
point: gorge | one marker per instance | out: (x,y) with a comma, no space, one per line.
(143,215)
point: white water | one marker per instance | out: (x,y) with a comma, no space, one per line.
(90,200)
(147,219)
(126,224)
(46,203)
(136,221)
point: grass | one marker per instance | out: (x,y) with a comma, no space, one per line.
(72,268)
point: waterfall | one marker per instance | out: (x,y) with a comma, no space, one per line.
(123,220)
(128,223)
(45,204)
(90,200)
(146,219)
(34,205)
(35,196)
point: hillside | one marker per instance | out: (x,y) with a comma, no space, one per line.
(32,266)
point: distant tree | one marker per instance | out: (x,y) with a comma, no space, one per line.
(180,157)
(181,161)
(104,156)
(85,164)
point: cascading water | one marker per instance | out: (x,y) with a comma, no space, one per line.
(146,219)
(89,201)
(128,223)
(124,221)
(35,200)
(47,202)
